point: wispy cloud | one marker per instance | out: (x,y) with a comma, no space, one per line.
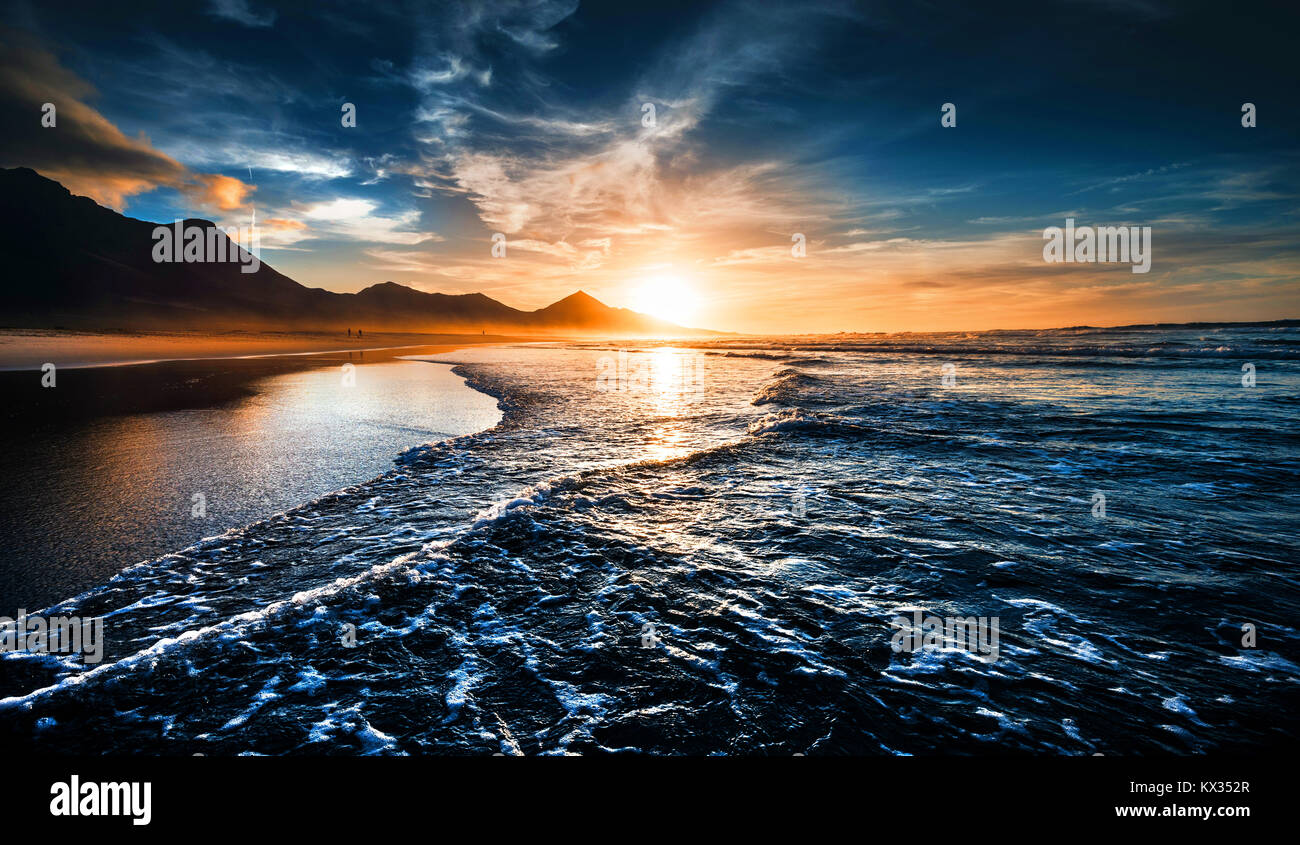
(241,12)
(350,218)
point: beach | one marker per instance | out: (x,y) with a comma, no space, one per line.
(98,374)
(29,349)
(712,555)
(119,462)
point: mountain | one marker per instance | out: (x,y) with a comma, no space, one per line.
(583,312)
(75,264)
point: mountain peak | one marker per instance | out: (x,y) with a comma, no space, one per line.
(24,178)
(22,173)
(580,297)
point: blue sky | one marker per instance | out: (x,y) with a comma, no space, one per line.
(771,119)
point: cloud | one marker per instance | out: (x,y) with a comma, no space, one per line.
(284,224)
(85,151)
(223,193)
(590,256)
(404,262)
(266,153)
(552,175)
(341,209)
(241,12)
(760,133)
(349,218)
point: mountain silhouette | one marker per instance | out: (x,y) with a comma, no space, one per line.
(75,264)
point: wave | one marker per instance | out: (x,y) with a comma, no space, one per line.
(798,419)
(788,385)
(1219,352)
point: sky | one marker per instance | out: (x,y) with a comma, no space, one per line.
(763,167)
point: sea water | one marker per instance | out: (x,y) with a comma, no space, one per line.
(712,564)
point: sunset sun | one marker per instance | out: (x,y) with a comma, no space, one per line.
(667,297)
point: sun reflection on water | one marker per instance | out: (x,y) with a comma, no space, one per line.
(675,381)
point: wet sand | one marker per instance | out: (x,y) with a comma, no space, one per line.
(105,374)
(29,349)
(103,467)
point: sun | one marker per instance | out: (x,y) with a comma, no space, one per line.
(666,297)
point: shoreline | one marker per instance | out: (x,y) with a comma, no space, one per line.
(113,484)
(27,350)
(89,391)
(86,365)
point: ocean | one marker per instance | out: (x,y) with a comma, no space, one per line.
(670,549)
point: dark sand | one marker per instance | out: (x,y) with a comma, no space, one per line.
(111,387)
(74,509)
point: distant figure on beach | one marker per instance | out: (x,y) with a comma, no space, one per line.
(358,332)
(349,332)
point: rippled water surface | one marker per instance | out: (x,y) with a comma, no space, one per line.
(699,550)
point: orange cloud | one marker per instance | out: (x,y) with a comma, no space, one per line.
(83,150)
(224,193)
(283,224)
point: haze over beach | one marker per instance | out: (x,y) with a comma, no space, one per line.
(544,378)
